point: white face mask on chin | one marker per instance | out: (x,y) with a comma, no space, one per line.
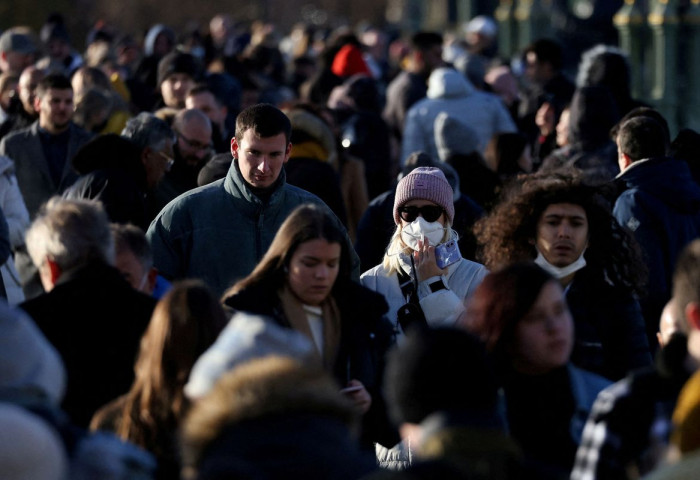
(560,272)
(419,229)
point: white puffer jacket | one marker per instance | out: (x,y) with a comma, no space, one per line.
(441,308)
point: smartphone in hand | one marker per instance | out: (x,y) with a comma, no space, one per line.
(447,253)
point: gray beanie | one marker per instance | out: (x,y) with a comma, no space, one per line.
(426,183)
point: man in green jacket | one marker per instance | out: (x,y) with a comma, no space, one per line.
(220,231)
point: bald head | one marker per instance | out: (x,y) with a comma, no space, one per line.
(28,81)
(193,129)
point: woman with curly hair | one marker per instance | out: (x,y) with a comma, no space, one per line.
(567,228)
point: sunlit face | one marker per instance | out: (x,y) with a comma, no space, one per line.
(260,159)
(174,89)
(28,82)
(133,271)
(562,129)
(194,143)
(15,62)
(562,233)
(535,70)
(55,109)
(313,270)
(543,338)
(419,202)
(8,94)
(157,162)
(206,102)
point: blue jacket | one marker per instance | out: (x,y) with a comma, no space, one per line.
(219,232)
(661,205)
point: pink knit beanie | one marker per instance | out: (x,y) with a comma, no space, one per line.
(426,183)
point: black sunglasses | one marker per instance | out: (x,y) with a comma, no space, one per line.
(429,212)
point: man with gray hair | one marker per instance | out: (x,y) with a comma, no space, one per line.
(155,139)
(90,313)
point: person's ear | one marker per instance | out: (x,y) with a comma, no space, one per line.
(692,315)
(625,160)
(49,272)
(234,147)
(288,152)
(145,153)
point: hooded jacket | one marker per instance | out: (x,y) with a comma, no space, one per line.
(220,231)
(661,205)
(449,91)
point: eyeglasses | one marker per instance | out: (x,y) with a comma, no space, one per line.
(194,144)
(170,161)
(429,212)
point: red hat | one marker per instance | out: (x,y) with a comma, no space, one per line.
(348,61)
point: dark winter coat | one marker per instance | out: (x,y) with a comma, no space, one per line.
(610,337)
(661,205)
(95,320)
(365,338)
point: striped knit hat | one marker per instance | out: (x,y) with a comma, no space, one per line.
(426,183)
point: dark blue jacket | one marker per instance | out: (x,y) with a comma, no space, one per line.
(610,337)
(661,205)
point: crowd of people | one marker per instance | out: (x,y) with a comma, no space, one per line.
(234,253)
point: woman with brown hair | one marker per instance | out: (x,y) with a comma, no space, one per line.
(303,283)
(521,314)
(185,322)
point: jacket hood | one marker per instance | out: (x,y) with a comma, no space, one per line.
(246,337)
(150,40)
(667,179)
(453,137)
(448,83)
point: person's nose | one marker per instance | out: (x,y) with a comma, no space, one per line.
(264,165)
(321,272)
(564,230)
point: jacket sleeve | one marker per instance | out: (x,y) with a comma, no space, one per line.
(15,210)
(166,244)
(442,307)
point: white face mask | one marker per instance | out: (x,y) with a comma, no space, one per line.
(419,229)
(561,272)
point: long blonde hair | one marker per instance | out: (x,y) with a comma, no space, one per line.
(392,256)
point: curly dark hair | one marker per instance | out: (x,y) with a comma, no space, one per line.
(507,235)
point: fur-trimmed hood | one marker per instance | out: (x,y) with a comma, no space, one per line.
(272,387)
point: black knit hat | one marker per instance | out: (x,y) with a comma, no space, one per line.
(179,62)
(442,369)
